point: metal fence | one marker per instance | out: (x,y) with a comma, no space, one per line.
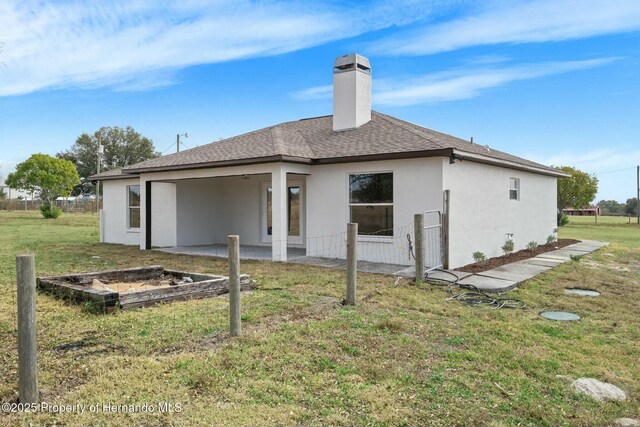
(78,206)
(433,240)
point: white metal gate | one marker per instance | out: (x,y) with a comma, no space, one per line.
(433,240)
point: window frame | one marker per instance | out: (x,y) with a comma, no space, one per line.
(372,237)
(515,180)
(130,207)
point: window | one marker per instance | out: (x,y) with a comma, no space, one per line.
(294,212)
(514,189)
(371,203)
(133,206)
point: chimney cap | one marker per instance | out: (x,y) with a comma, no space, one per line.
(351,62)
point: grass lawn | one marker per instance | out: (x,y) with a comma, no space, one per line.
(403,356)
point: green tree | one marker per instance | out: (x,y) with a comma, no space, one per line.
(122,147)
(576,191)
(611,207)
(631,207)
(48,176)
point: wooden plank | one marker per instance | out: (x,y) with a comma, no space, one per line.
(211,288)
(245,285)
(126,275)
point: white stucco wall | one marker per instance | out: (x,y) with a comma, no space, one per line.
(417,186)
(198,215)
(115,213)
(163,214)
(481,213)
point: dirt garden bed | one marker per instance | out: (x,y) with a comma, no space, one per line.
(491,263)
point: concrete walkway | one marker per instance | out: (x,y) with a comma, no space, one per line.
(508,276)
(499,279)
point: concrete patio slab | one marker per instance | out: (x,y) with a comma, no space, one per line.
(443,275)
(544,262)
(525,264)
(489,284)
(510,274)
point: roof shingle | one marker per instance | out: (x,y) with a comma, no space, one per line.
(314,141)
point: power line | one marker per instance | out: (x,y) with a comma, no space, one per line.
(616,170)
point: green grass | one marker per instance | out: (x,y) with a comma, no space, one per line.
(403,356)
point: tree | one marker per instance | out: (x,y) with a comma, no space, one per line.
(611,207)
(122,147)
(48,176)
(631,208)
(576,191)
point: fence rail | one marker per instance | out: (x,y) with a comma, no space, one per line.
(80,206)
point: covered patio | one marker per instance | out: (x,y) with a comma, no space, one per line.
(294,255)
(195,214)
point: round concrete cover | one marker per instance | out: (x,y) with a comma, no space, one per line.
(585,292)
(559,315)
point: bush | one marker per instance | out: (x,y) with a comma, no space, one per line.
(562,219)
(532,246)
(508,247)
(50,212)
(551,238)
(479,257)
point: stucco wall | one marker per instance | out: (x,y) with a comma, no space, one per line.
(482,213)
(163,214)
(198,215)
(417,186)
(115,213)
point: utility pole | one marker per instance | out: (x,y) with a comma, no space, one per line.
(638,193)
(100,151)
(178,135)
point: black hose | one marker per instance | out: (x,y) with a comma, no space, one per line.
(473,296)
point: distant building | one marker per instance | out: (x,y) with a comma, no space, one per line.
(15,194)
(591,211)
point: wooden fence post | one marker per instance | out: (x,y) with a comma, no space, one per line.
(234,285)
(418,232)
(27,346)
(352,262)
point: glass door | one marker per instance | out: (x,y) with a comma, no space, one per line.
(294,212)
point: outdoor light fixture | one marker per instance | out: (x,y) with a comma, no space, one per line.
(453,157)
(245,176)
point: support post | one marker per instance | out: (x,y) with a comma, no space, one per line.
(352,262)
(418,231)
(279,221)
(234,285)
(638,193)
(27,348)
(446,202)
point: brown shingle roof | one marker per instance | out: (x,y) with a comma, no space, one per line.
(313,141)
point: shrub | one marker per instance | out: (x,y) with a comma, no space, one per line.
(50,212)
(479,257)
(562,219)
(508,247)
(532,246)
(551,238)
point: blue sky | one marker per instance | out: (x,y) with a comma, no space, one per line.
(555,81)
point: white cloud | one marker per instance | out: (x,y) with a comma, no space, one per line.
(133,44)
(454,85)
(600,161)
(614,167)
(523,21)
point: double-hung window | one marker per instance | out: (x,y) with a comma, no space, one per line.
(514,189)
(371,203)
(133,206)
